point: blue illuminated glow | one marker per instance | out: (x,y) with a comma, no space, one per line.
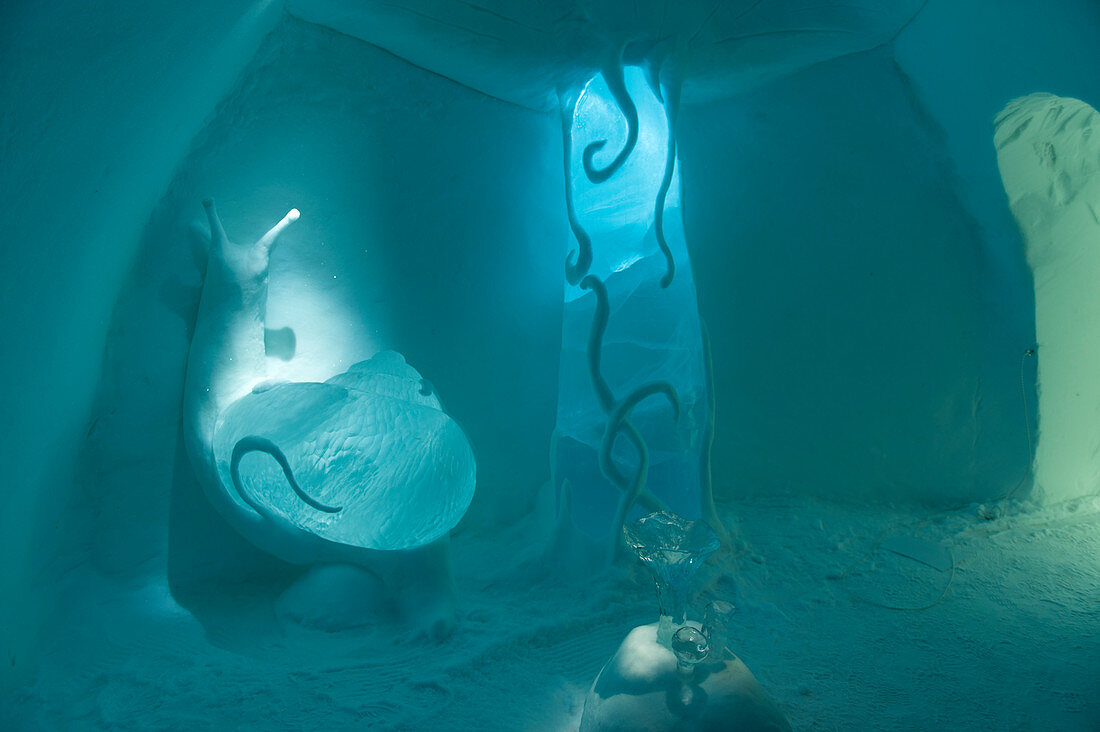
(619,212)
(632,406)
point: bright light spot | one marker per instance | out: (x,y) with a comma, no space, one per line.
(627,262)
(619,213)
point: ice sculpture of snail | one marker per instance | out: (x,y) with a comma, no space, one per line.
(361,475)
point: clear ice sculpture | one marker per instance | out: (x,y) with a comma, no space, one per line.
(633,425)
(691,648)
(716,621)
(350,469)
(673,547)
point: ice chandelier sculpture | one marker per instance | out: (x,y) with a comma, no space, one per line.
(631,328)
(364,464)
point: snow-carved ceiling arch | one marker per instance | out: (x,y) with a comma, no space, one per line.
(523,52)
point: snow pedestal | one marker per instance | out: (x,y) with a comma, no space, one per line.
(641,688)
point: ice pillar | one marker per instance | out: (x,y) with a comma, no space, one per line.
(633,400)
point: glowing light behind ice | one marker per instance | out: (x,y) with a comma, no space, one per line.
(369,456)
(652,335)
(618,213)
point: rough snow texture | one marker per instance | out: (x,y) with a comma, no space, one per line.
(1048,148)
(522,52)
(640,688)
(1013,644)
(96,120)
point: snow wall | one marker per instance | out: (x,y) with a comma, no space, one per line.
(100,104)
(856,262)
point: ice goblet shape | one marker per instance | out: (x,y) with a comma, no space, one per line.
(716,621)
(673,547)
(691,647)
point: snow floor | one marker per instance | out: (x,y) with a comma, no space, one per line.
(1012,644)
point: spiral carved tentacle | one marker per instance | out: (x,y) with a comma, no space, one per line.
(615,77)
(618,421)
(253,443)
(595,372)
(595,341)
(576,263)
(671,103)
(619,414)
(666,87)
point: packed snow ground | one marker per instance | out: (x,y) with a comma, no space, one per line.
(1012,644)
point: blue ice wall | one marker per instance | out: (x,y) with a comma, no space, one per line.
(653,332)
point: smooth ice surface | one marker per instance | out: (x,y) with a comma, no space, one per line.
(847,291)
(1048,148)
(690,646)
(653,332)
(96,121)
(372,441)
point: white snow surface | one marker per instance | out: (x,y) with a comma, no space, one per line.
(1013,643)
(1050,160)
(641,688)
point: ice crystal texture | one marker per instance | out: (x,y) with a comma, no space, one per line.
(673,547)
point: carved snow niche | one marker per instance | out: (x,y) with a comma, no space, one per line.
(361,477)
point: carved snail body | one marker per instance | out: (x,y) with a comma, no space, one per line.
(334,472)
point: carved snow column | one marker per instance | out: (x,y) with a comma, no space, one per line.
(634,410)
(1048,150)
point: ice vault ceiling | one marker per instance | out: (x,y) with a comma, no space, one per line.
(523,51)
